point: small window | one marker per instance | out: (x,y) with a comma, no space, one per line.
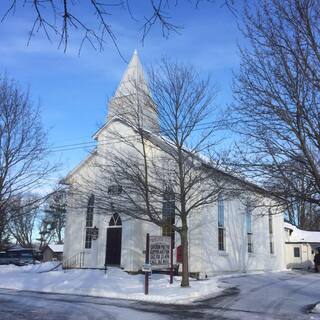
(221,225)
(115,189)
(296,252)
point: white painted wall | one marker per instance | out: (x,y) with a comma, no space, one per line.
(205,257)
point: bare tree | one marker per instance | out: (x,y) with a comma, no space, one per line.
(24,214)
(163,170)
(63,18)
(277,106)
(23,167)
(54,220)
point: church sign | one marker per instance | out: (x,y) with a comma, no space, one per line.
(159,252)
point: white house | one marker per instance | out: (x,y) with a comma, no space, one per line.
(300,247)
(223,237)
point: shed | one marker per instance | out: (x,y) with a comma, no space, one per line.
(53,252)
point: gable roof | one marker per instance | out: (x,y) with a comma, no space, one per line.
(78,167)
(299,235)
(57,248)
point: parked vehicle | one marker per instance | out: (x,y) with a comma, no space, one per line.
(9,258)
(18,258)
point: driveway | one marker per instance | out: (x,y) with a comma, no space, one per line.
(285,295)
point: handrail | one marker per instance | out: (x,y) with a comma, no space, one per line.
(75,261)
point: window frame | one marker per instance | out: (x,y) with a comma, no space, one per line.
(248,219)
(271,241)
(89,223)
(168,213)
(295,251)
(221,225)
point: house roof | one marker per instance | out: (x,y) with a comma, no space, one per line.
(56,247)
(299,235)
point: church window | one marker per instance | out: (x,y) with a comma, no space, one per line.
(115,189)
(115,220)
(221,225)
(249,229)
(168,212)
(271,242)
(89,223)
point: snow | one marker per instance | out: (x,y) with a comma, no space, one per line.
(316,308)
(56,247)
(299,235)
(115,284)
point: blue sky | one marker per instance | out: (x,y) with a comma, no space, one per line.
(73,90)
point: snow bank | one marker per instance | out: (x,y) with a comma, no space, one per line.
(37,268)
(115,284)
(316,308)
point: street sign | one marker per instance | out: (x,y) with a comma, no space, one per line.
(146,267)
(160,252)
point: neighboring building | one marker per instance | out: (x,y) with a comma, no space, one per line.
(300,247)
(52,252)
(223,237)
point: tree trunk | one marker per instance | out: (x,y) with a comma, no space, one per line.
(185,255)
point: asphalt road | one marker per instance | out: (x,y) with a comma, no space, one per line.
(287,296)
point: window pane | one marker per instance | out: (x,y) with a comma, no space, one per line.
(168,213)
(88,240)
(248,220)
(271,247)
(221,242)
(270,224)
(296,252)
(220,212)
(250,244)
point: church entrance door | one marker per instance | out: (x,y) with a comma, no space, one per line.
(113,245)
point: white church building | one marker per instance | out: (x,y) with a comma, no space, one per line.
(223,237)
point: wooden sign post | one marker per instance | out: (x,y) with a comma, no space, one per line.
(171,260)
(146,273)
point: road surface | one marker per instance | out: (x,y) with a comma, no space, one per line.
(286,295)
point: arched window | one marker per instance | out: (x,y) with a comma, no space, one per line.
(168,212)
(89,222)
(115,220)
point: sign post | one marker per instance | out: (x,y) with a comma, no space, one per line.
(146,274)
(171,259)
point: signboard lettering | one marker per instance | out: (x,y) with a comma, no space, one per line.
(160,251)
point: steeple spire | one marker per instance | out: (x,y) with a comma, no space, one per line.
(133,77)
(131,100)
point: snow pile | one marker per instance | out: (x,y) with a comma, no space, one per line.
(316,308)
(33,268)
(115,284)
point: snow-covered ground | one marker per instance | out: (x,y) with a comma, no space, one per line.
(115,284)
(316,308)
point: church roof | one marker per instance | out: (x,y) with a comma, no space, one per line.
(132,77)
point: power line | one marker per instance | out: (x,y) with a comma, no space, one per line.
(88,144)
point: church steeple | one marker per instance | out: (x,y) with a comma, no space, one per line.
(133,77)
(131,100)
